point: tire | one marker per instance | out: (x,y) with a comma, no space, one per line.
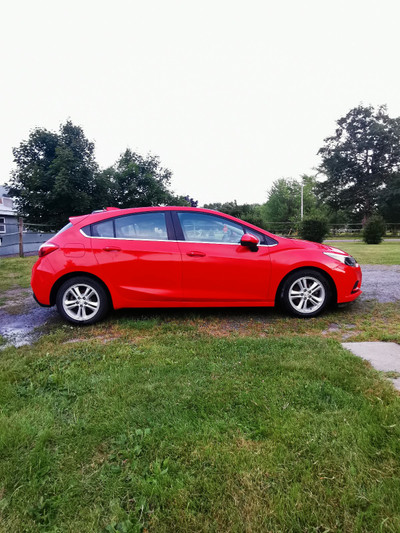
(306,293)
(82,300)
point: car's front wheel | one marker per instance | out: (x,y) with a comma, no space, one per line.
(306,293)
(82,300)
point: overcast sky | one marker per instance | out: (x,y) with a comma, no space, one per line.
(231,95)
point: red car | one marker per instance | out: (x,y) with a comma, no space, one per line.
(185,257)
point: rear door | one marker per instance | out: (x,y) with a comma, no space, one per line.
(139,257)
(216,268)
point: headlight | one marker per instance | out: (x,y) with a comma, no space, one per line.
(345,259)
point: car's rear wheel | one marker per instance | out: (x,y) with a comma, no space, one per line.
(82,300)
(306,293)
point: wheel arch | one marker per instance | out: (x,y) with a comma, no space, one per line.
(329,279)
(60,281)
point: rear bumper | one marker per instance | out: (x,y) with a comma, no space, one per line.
(39,303)
(41,282)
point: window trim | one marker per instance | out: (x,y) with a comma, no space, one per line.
(175,232)
(246,229)
(168,224)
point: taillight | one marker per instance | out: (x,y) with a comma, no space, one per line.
(47,248)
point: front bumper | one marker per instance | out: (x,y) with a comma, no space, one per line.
(348,284)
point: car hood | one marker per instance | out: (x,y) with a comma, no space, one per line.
(312,246)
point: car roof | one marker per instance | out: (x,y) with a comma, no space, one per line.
(110,212)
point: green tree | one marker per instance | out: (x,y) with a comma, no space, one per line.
(374,229)
(249,212)
(284,199)
(389,199)
(359,160)
(314,228)
(137,181)
(55,176)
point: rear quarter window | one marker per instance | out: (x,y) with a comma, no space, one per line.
(104,229)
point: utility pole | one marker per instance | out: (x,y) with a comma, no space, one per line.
(302,201)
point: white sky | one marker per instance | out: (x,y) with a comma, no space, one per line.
(231,95)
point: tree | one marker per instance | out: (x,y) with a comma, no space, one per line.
(359,160)
(55,176)
(389,199)
(374,230)
(249,212)
(137,181)
(284,199)
(314,228)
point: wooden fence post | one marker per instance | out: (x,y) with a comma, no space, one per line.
(20,235)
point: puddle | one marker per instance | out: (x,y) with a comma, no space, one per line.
(21,329)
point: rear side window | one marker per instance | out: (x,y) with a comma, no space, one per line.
(103,229)
(144,226)
(141,226)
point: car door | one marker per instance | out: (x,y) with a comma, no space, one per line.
(216,268)
(138,257)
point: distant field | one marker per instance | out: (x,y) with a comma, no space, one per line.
(386,253)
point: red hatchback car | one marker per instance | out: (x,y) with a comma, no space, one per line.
(185,257)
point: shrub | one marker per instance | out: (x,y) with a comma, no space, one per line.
(374,230)
(314,229)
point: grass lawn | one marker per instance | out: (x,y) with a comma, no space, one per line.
(15,272)
(225,420)
(386,253)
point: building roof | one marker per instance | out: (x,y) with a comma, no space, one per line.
(6,203)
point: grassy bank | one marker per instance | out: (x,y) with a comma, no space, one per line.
(170,430)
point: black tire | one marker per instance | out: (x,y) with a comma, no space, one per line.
(306,293)
(82,301)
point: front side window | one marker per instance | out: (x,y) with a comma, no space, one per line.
(201,227)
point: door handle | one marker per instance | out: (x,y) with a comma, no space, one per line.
(196,254)
(112,249)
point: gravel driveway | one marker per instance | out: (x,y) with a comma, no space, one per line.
(381,282)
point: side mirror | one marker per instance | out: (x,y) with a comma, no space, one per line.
(250,241)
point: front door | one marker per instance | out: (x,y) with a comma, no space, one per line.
(216,268)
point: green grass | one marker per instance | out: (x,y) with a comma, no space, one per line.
(183,432)
(386,253)
(15,272)
(214,420)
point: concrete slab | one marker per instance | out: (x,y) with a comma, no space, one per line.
(396,383)
(383,356)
